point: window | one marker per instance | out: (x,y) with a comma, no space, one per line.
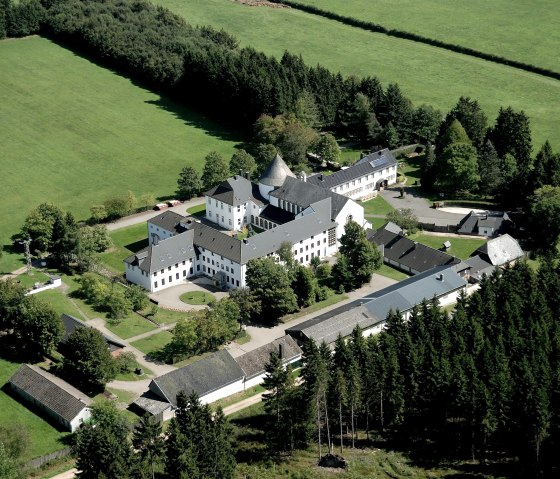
(332,236)
(184,273)
(216,202)
(306,247)
(301,250)
(155,284)
(161,271)
(177,265)
(204,268)
(155,274)
(163,281)
(210,214)
(222,218)
(348,218)
(306,257)
(229,209)
(169,268)
(183,263)
(212,262)
(197,268)
(222,206)
(230,222)
(237,283)
(177,275)
(324,240)
(170,279)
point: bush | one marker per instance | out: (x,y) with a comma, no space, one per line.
(126,362)
(322,293)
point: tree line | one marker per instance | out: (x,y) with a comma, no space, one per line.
(480,382)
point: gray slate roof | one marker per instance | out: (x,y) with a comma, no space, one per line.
(71,324)
(151,403)
(501,250)
(53,393)
(203,377)
(303,194)
(367,165)
(253,362)
(236,190)
(479,267)
(168,220)
(316,220)
(411,254)
(276,172)
(275,214)
(374,308)
(166,253)
(499,222)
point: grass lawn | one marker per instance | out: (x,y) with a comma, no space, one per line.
(376,206)
(29,280)
(460,247)
(426,74)
(196,297)
(332,299)
(76,134)
(132,376)
(390,272)
(153,343)
(198,210)
(43,437)
(411,168)
(168,316)
(349,156)
(126,241)
(132,325)
(507,29)
(376,223)
(60,303)
(238,397)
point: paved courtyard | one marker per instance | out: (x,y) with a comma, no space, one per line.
(169,298)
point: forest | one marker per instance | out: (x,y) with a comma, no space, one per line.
(478,383)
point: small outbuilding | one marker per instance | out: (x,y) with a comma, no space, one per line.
(61,401)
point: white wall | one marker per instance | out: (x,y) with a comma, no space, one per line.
(317,245)
(220,213)
(221,393)
(353,209)
(84,415)
(159,232)
(160,279)
(364,187)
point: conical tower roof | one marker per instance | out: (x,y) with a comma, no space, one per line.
(276,172)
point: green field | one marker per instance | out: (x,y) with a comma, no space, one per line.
(43,438)
(76,134)
(126,241)
(460,247)
(426,74)
(153,343)
(197,297)
(522,30)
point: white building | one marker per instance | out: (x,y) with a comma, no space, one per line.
(284,208)
(59,400)
(362,180)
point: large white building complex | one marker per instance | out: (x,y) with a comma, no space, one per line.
(300,211)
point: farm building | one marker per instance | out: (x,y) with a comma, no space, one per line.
(59,400)
(486,223)
(253,362)
(370,313)
(496,253)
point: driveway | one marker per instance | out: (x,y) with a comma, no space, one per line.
(261,335)
(419,205)
(169,297)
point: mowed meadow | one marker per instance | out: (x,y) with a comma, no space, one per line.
(426,74)
(76,134)
(524,30)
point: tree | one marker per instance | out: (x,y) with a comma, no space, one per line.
(25,18)
(271,286)
(342,276)
(546,168)
(87,361)
(304,286)
(101,445)
(295,141)
(116,207)
(491,178)
(38,327)
(137,297)
(398,110)
(38,226)
(65,239)
(326,148)
(148,441)
(363,256)
(215,170)
(306,110)
(389,136)
(278,381)
(545,217)
(429,169)
(117,303)
(264,153)
(131,202)
(472,118)
(98,213)
(189,184)
(147,200)
(362,122)
(454,133)
(512,134)
(405,218)
(8,465)
(249,306)
(243,162)
(459,168)
(425,123)
(12,294)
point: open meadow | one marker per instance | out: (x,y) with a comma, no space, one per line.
(76,134)
(426,74)
(524,30)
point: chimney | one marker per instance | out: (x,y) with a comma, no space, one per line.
(362,154)
(248,175)
(441,277)
(245,240)
(303,176)
(280,351)
(321,177)
(240,172)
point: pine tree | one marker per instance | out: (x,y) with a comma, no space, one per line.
(148,441)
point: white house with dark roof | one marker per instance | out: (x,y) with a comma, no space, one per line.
(59,400)
(363,179)
(308,216)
